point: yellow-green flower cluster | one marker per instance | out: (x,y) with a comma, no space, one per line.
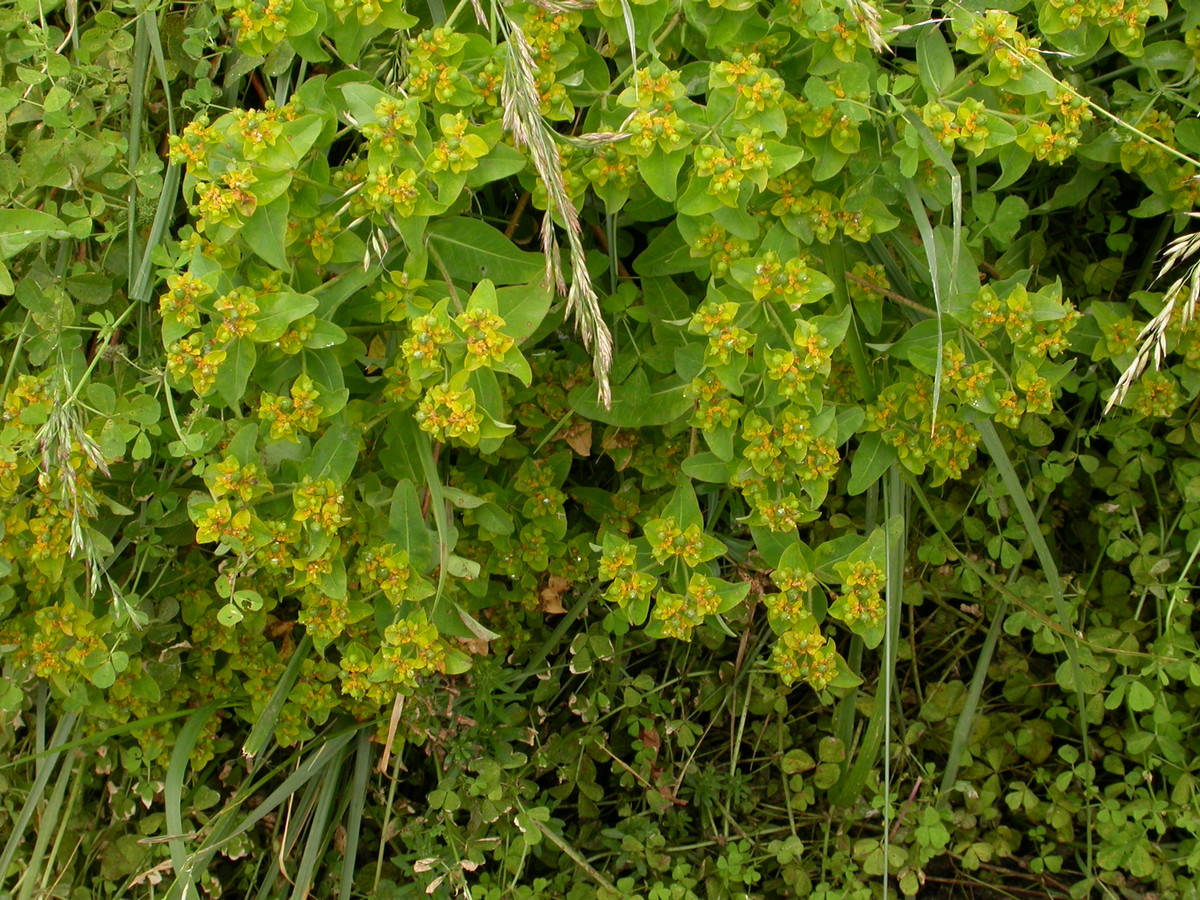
(290,415)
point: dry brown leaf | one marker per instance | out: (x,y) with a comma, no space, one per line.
(552,593)
(475,646)
(579,438)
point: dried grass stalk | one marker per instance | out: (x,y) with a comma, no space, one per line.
(561,6)
(523,120)
(868,17)
(1183,294)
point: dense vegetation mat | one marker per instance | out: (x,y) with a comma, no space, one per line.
(647,449)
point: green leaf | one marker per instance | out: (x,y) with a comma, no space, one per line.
(871,460)
(711,547)
(103,676)
(490,400)
(523,307)
(477,628)
(773,546)
(636,403)
(494,518)
(234,372)
(325,369)
(334,455)
(1140,697)
(461,499)
(277,311)
(308,44)
(361,100)
(229,615)
(696,201)
(484,297)
(300,134)
(407,529)
(21,227)
(1014,162)
(830,161)
(266,232)
(461,567)
(515,364)
(934,62)
(661,172)
(264,722)
(919,346)
(502,161)
(1007,219)
(1187,133)
(472,250)
(682,504)
(325,334)
(668,254)
(102,397)
(709,467)
(243,446)
(399,453)
(302,18)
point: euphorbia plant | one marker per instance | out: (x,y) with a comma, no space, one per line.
(622,310)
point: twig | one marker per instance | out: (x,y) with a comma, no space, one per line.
(904,809)
(259,88)
(1042,879)
(441,267)
(515,218)
(891,295)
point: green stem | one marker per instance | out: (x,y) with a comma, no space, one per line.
(101,337)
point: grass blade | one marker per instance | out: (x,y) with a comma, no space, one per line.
(176,775)
(917,208)
(45,768)
(140,285)
(318,828)
(46,826)
(264,725)
(1012,483)
(896,500)
(98,737)
(225,827)
(966,717)
(137,108)
(358,800)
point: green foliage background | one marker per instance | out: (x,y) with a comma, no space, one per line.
(654,449)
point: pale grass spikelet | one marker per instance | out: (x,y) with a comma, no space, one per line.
(869,18)
(560,6)
(1183,294)
(62,434)
(525,123)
